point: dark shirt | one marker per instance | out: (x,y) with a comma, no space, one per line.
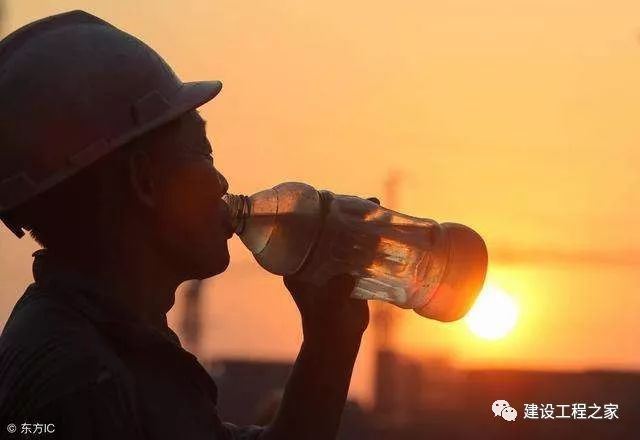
(75,361)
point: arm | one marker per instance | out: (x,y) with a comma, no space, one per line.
(315,394)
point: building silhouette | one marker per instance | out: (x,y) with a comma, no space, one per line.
(417,398)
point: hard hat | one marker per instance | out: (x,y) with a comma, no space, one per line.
(72,89)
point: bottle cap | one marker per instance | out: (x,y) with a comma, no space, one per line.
(463,276)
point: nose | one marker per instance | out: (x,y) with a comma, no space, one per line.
(224,185)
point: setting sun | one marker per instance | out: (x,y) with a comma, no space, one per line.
(494,314)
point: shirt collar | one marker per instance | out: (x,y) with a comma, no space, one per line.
(94,300)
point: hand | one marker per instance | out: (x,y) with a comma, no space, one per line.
(329,311)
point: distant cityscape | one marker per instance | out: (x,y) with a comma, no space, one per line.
(417,399)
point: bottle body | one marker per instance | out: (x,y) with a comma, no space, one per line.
(407,261)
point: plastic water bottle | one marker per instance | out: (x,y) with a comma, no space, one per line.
(292,228)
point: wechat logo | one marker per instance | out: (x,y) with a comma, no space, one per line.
(503,409)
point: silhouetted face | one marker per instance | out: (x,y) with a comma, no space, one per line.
(193,221)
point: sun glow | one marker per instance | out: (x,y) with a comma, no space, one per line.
(494,314)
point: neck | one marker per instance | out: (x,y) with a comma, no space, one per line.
(145,283)
(135,274)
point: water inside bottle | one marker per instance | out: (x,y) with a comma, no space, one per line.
(270,237)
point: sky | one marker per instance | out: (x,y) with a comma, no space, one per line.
(515,117)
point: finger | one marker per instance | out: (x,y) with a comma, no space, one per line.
(300,293)
(340,286)
(374,200)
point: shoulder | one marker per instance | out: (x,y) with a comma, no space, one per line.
(49,350)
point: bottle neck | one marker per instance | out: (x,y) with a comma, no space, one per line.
(239,210)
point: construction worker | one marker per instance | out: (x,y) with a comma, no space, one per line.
(104,160)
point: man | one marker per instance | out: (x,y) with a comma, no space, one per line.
(105,161)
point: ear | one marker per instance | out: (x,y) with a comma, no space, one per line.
(142,178)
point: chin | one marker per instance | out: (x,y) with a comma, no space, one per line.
(213,265)
(223,264)
(199,259)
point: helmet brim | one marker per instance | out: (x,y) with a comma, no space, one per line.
(194,94)
(189,96)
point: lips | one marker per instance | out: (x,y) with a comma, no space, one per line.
(228,227)
(226,221)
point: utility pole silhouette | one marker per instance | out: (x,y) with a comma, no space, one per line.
(384,322)
(383,314)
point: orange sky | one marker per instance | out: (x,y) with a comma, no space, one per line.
(518,118)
